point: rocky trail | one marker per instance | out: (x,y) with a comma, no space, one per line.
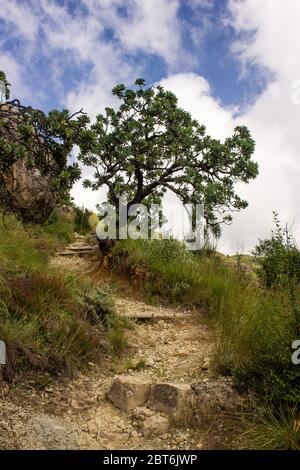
(162,394)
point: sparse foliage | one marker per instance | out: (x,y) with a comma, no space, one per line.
(150,145)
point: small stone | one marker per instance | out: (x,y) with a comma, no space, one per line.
(200,445)
(155,424)
(150,362)
(205,364)
(141,413)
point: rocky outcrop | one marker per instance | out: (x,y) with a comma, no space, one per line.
(28,191)
(182,404)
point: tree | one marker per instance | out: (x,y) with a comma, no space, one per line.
(150,145)
(34,151)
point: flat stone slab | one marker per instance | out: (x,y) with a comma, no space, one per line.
(155,315)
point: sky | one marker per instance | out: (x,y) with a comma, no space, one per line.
(230,62)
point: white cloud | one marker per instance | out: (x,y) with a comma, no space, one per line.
(14,73)
(20,15)
(194,95)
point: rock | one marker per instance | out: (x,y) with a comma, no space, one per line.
(128,392)
(53,433)
(172,399)
(206,363)
(155,424)
(141,413)
(213,396)
(200,445)
(30,192)
(150,362)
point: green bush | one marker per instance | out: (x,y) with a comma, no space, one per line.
(278,258)
(59,226)
(82,220)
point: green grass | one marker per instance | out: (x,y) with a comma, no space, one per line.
(273,429)
(50,320)
(255,328)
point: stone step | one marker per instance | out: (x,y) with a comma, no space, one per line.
(155,316)
(77,249)
(74,253)
(184,404)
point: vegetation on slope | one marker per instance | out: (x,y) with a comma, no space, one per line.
(51,320)
(256,325)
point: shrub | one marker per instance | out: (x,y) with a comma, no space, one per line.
(60,227)
(278,258)
(82,220)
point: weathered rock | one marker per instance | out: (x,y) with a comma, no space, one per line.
(128,392)
(175,400)
(30,192)
(141,413)
(53,433)
(150,362)
(155,424)
(213,396)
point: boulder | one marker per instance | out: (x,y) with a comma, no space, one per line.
(30,192)
(212,397)
(175,400)
(128,392)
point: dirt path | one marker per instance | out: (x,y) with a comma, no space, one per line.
(75,413)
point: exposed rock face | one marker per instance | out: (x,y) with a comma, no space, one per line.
(30,192)
(128,392)
(212,397)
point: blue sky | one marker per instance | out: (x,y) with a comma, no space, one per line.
(206,42)
(229,62)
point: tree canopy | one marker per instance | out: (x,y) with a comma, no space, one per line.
(149,145)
